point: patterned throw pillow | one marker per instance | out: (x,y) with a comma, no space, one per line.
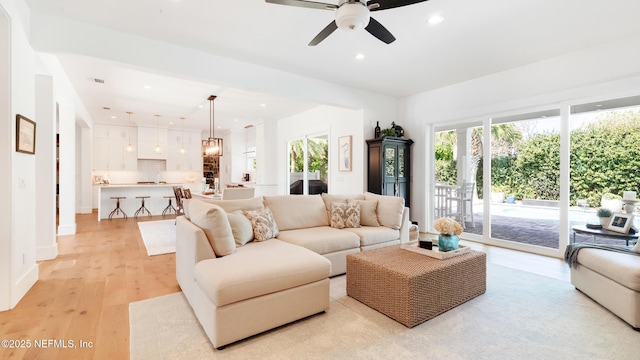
(344,215)
(264,226)
(368,212)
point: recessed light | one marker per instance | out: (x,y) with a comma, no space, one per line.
(236,120)
(435,20)
(114,117)
(359,56)
(147,87)
(263,105)
(201,106)
(170,122)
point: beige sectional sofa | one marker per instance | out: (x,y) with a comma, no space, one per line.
(239,286)
(612,279)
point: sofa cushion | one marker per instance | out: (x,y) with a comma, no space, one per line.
(240,227)
(619,267)
(340,198)
(263,224)
(389,209)
(322,240)
(212,219)
(345,215)
(368,215)
(259,268)
(235,205)
(297,211)
(372,235)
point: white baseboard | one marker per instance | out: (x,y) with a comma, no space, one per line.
(23,285)
(66,229)
(46,252)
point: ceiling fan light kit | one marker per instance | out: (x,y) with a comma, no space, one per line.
(351,15)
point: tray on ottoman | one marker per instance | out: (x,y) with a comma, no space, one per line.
(412,288)
(413,246)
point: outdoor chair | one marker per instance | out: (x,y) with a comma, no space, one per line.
(460,204)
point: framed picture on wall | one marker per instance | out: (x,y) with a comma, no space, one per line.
(620,222)
(344,153)
(25,135)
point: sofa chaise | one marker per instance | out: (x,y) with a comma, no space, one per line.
(247,266)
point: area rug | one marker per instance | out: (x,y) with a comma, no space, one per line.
(521,316)
(159,236)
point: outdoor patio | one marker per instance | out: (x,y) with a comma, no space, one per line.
(522,226)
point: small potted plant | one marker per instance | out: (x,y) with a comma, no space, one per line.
(604,215)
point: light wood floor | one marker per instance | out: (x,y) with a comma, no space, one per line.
(84,294)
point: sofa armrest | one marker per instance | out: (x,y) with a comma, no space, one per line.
(192,246)
(406,224)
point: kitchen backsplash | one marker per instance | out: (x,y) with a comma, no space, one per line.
(147,171)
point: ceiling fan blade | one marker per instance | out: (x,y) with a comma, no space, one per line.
(390,4)
(324,33)
(303,3)
(376,29)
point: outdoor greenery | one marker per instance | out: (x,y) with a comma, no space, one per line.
(604,159)
(318,153)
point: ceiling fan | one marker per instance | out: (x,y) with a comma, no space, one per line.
(352,15)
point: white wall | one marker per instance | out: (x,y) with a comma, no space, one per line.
(335,122)
(19,240)
(601,72)
(47,247)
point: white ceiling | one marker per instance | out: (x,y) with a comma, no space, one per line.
(477,38)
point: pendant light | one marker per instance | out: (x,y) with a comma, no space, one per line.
(129,147)
(158,149)
(213,145)
(182,151)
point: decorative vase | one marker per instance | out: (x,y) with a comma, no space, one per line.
(447,242)
(604,221)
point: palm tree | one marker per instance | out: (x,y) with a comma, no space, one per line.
(502,134)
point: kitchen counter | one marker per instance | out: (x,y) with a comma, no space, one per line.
(138,184)
(156,202)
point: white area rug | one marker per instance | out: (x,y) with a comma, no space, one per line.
(521,316)
(159,236)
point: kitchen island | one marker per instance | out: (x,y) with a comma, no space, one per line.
(156,202)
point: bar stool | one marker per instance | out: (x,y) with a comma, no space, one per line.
(142,208)
(169,207)
(118,209)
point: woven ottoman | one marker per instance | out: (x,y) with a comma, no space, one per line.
(412,288)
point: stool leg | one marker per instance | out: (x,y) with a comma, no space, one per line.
(141,210)
(168,208)
(117,210)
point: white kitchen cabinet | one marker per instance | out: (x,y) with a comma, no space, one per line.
(191,160)
(100,153)
(100,131)
(148,139)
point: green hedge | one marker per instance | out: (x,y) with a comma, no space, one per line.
(604,158)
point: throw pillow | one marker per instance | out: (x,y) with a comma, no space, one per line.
(240,227)
(263,224)
(368,208)
(389,211)
(636,247)
(345,215)
(212,219)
